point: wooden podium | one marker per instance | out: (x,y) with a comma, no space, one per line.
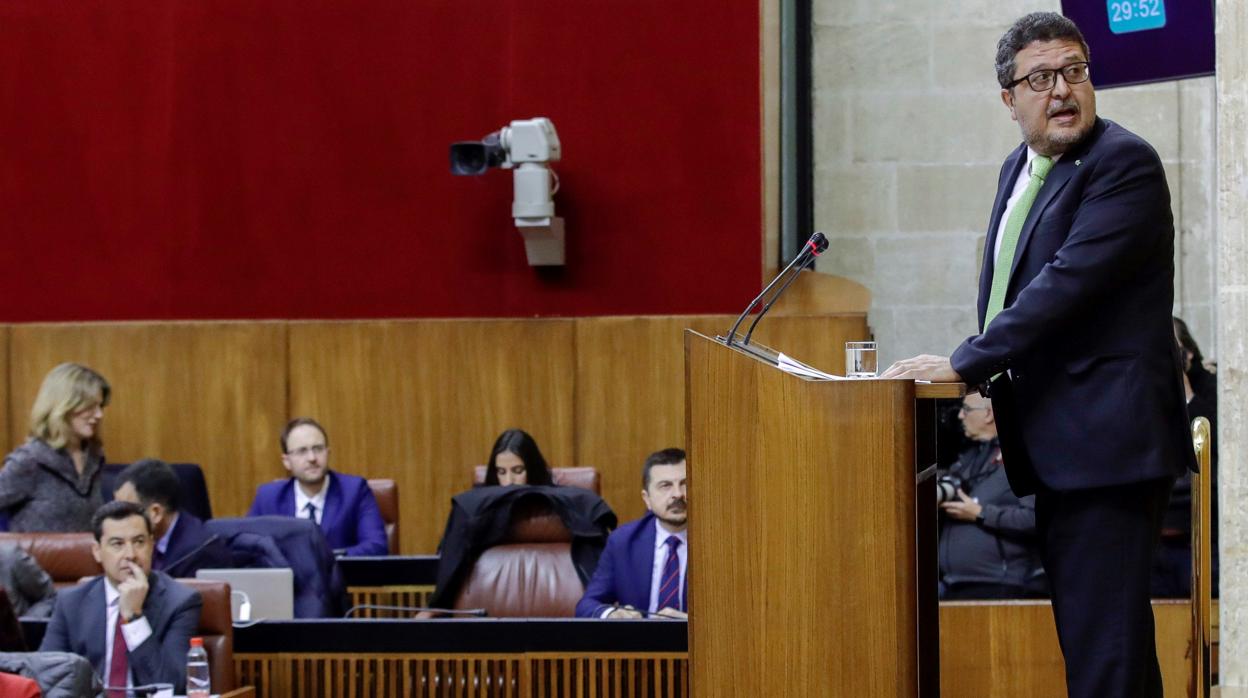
(812,566)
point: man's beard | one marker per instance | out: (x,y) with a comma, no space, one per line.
(668,515)
(1046,143)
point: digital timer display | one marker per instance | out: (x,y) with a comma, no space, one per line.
(1137,41)
(1127,16)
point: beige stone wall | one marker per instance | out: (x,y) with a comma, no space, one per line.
(909,135)
(1232,215)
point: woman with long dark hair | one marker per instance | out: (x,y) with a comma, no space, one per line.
(516,460)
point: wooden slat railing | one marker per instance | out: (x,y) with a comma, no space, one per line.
(406,596)
(521,675)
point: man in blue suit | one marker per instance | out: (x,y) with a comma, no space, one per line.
(1077,352)
(183,545)
(342,504)
(642,571)
(134,625)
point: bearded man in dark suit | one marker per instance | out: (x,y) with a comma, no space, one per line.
(1077,352)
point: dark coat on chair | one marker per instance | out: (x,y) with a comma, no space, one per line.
(58,674)
(30,588)
(285,541)
(481,518)
(171,609)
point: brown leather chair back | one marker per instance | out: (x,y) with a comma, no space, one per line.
(529,575)
(387,495)
(586,477)
(217,628)
(66,557)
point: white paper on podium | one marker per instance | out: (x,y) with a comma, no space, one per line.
(789,364)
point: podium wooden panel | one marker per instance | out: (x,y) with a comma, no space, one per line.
(802,571)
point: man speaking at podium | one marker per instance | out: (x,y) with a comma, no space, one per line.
(1077,352)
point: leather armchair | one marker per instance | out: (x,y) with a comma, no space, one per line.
(530,574)
(65,556)
(387,494)
(217,628)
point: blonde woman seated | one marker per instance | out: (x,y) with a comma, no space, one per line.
(52,482)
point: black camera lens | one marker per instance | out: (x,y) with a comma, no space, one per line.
(475,157)
(468,158)
(947,487)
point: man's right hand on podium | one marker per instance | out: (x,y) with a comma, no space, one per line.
(936,369)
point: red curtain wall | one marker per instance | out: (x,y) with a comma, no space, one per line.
(288,158)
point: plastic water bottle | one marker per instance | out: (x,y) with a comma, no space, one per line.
(198,680)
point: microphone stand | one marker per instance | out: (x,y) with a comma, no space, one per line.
(813,248)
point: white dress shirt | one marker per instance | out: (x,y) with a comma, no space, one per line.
(660,561)
(135,632)
(162,545)
(317,500)
(1020,185)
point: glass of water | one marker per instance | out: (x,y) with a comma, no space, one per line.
(860,359)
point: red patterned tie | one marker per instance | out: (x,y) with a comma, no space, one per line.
(669,589)
(117,665)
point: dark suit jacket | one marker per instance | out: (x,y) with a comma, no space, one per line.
(1096,396)
(192,547)
(171,609)
(350,521)
(624,570)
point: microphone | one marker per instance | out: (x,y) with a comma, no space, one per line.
(477,612)
(152,690)
(814,247)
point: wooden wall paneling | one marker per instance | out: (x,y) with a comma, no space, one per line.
(630,397)
(1011,649)
(630,373)
(420,401)
(212,393)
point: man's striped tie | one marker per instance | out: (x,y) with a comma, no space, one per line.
(669,589)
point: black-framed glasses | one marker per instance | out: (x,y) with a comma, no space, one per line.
(1044,79)
(967,409)
(318,449)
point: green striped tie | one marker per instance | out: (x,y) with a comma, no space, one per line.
(1040,167)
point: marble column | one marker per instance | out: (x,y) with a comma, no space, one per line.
(1232,308)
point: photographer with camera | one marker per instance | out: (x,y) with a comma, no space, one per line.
(987,535)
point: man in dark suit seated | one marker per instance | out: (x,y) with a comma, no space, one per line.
(182,544)
(342,505)
(642,571)
(134,625)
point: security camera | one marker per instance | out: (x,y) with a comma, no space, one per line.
(526,146)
